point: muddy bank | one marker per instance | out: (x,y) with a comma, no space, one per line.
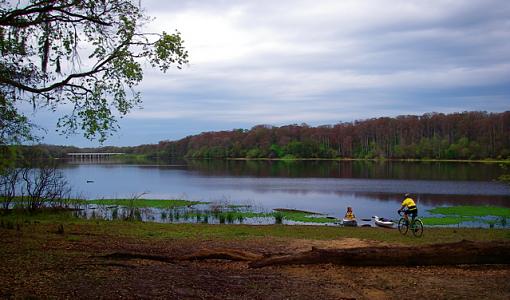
(85,264)
(459,253)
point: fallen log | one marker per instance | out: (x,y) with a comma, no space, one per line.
(464,252)
(226,254)
(128,256)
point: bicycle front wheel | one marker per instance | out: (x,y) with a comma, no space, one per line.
(403,226)
(417,228)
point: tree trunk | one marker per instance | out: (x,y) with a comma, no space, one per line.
(464,252)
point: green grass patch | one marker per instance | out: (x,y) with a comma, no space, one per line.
(140,203)
(305,217)
(302,216)
(46,224)
(237,214)
(290,210)
(504,178)
(232,216)
(451,220)
(295,216)
(235,232)
(235,206)
(18,200)
(471,211)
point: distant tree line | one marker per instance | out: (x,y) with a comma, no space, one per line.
(466,135)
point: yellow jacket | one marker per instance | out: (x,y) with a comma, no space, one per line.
(409,203)
(350,215)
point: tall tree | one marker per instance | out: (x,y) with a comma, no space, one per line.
(84,53)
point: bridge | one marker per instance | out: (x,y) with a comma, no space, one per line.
(92,156)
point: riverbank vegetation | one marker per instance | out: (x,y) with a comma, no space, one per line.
(185,211)
(432,136)
(155,203)
(50,221)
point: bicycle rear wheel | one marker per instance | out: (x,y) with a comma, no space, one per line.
(403,226)
(417,228)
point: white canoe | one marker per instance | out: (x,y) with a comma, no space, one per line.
(349,222)
(383,222)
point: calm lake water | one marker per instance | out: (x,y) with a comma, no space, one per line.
(371,188)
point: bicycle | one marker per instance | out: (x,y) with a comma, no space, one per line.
(415,225)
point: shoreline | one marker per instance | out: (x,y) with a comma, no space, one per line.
(362,159)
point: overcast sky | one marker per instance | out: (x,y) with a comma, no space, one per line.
(319,62)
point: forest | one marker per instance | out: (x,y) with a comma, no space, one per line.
(465,135)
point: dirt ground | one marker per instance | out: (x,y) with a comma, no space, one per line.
(76,266)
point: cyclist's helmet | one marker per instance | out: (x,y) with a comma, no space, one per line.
(407,195)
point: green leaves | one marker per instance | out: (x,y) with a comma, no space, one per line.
(169,50)
(14,127)
(42,45)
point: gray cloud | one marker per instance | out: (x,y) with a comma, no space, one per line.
(322,62)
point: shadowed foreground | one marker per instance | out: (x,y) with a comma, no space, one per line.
(90,262)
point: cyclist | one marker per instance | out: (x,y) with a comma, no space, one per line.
(409,208)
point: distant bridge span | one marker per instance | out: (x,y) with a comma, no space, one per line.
(92,155)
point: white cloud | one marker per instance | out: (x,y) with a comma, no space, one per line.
(323,61)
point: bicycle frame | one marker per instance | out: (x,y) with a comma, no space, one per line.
(415,224)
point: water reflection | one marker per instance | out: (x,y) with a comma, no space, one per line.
(329,169)
(349,169)
(372,188)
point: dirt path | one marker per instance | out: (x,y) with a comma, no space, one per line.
(60,266)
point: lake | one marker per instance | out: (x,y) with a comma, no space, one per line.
(371,188)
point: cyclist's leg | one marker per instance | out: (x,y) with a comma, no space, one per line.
(406,217)
(414,214)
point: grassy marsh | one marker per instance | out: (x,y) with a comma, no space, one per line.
(472,211)
(73,228)
(481,214)
(183,210)
(141,203)
(179,211)
(450,220)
